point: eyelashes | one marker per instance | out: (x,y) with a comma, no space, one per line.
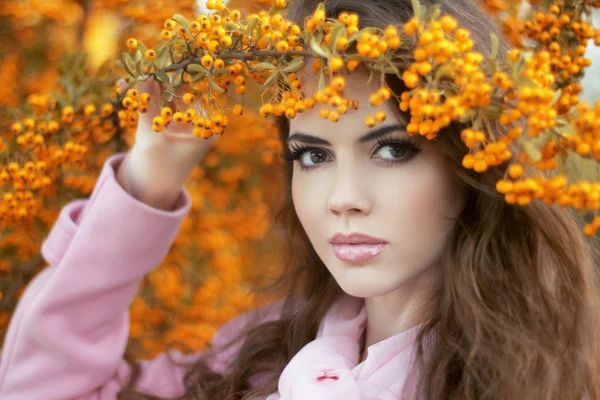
(402,150)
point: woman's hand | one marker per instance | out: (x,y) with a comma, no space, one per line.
(158,165)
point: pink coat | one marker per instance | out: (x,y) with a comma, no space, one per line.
(68,334)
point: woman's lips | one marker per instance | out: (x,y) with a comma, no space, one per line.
(357,252)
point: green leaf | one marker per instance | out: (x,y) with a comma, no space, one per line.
(321,85)
(104,69)
(272,78)
(137,56)
(432,12)
(495,44)
(338,32)
(295,65)
(556,96)
(215,86)
(69,87)
(198,76)
(128,64)
(492,64)
(265,65)
(416,8)
(142,47)
(390,69)
(252,24)
(167,97)
(183,21)
(139,67)
(356,35)
(320,51)
(529,148)
(162,76)
(196,68)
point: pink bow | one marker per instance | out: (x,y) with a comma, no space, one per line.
(326,368)
(322,370)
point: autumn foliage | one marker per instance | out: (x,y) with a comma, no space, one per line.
(235,67)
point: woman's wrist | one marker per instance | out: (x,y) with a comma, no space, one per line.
(148,182)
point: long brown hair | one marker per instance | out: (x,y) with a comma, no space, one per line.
(517,313)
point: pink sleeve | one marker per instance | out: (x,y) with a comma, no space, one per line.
(69,331)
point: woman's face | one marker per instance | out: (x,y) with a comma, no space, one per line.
(378,181)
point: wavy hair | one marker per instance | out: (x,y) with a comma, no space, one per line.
(516,315)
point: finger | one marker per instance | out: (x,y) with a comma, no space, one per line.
(122,85)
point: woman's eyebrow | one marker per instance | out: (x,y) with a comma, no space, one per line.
(373,134)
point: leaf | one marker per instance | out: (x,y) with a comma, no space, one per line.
(529,148)
(295,65)
(495,44)
(356,35)
(162,76)
(432,12)
(142,47)
(216,87)
(272,78)
(390,69)
(251,25)
(196,68)
(198,76)
(183,21)
(128,64)
(320,51)
(167,97)
(321,81)
(265,65)
(139,67)
(137,56)
(338,31)
(442,71)
(69,87)
(416,8)
(104,69)
(556,96)
(492,64)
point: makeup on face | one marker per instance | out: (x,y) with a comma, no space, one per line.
(356,247)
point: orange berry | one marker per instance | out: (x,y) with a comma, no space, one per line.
(166,34)
(238,110)
(150,54)
(132,43)
(188,98)
(206,61)
(169,24)
(338,83)
(225,41)
(335,64)
(353,64)
(158,124)
(235,15)
(145,98)
(515,171)
(282,46)
(380,116)
(218,64)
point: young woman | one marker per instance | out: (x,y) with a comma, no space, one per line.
(409,276)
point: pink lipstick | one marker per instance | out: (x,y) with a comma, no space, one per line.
(356,247)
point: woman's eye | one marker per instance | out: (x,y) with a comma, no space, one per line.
(392,152)
(312,157)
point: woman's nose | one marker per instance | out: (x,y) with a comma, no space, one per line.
(348,193)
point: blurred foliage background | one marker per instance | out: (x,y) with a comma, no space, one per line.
(225,246)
